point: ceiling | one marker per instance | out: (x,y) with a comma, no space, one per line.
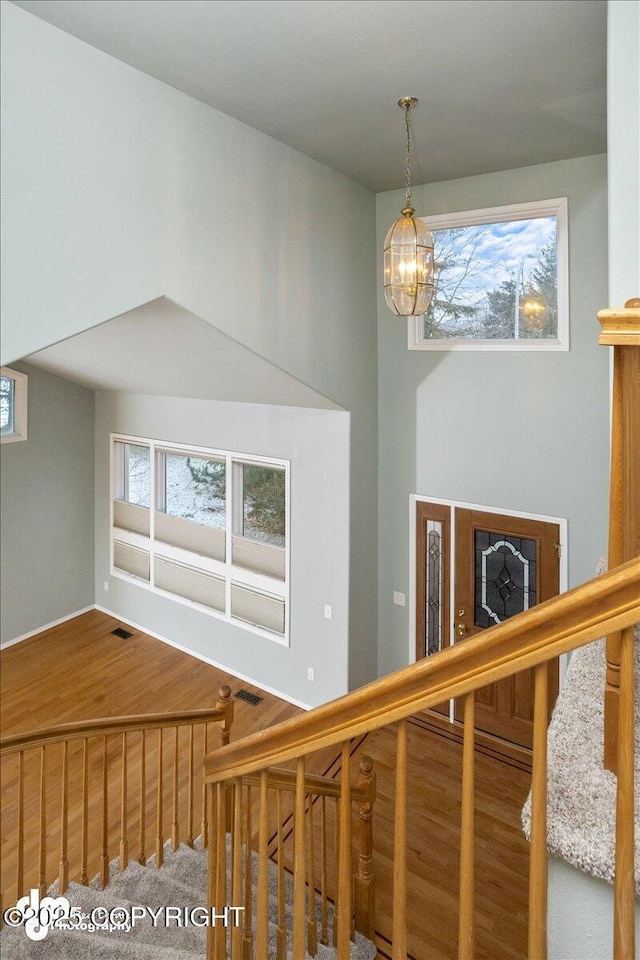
(501,83)
(170,352)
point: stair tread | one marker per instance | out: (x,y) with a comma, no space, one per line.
(81,945)
(180,882)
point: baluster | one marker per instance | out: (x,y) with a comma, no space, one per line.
(63,869)
(344,859)
(159,829)
(281,938)
(42,880)
(236,877)
(175,830)
(466,938)
(624,895)
(209,799)
(262,906)
(248,885)
(400,848)
(190,790)
(143,798)
(84,876)
(204,826)
(324,919)
(298,863)
(336,862)
(312,925)
(124,842)
(538,846)
(220,949)
(20,871)
(365,878)
(104,869)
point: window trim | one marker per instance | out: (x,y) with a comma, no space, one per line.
(557,207)
(20,405)
(261,583)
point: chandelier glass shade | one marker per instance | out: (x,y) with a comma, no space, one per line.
(408,266)
(408,251)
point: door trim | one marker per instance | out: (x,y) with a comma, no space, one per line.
(416,498)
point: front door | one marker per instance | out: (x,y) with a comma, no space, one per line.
(503,566)
(500,566)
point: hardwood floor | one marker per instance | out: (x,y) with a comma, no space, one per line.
(79,670)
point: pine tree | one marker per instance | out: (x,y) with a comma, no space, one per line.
(264,496)
(500,311)
(543,290)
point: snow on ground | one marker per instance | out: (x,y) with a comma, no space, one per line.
(184,497)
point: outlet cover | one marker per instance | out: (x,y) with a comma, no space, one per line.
(399,598)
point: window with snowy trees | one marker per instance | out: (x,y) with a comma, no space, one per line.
(207,527)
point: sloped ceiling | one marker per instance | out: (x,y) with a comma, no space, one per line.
(161,349)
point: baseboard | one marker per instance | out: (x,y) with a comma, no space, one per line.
(200,656)
(47,626)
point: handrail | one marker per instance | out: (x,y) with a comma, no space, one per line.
(104,726)
(592,610)
(280,779)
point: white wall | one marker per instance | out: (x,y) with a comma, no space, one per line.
(525,432)
(317,444)
(580,925)
(623,149)
(47,508)
(118,189)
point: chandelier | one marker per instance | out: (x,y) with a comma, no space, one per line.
(408,249)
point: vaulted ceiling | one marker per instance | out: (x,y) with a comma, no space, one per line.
(501,83)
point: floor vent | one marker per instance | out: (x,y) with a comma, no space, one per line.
(251,698)
(122,633)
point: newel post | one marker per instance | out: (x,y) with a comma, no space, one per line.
(621,330)
(365,883)
(225,704)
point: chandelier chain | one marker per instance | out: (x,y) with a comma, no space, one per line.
(408,160)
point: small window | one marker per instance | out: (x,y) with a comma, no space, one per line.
(192,488)
(260,504)
(13,405)
(500,280)
(132,488)
(259,519)
(133,475)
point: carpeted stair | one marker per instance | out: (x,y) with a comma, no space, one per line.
(581,808)
(180,882)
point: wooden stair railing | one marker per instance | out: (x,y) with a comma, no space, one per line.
(621,330)
(296,814)
(597,608)
(88,766)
